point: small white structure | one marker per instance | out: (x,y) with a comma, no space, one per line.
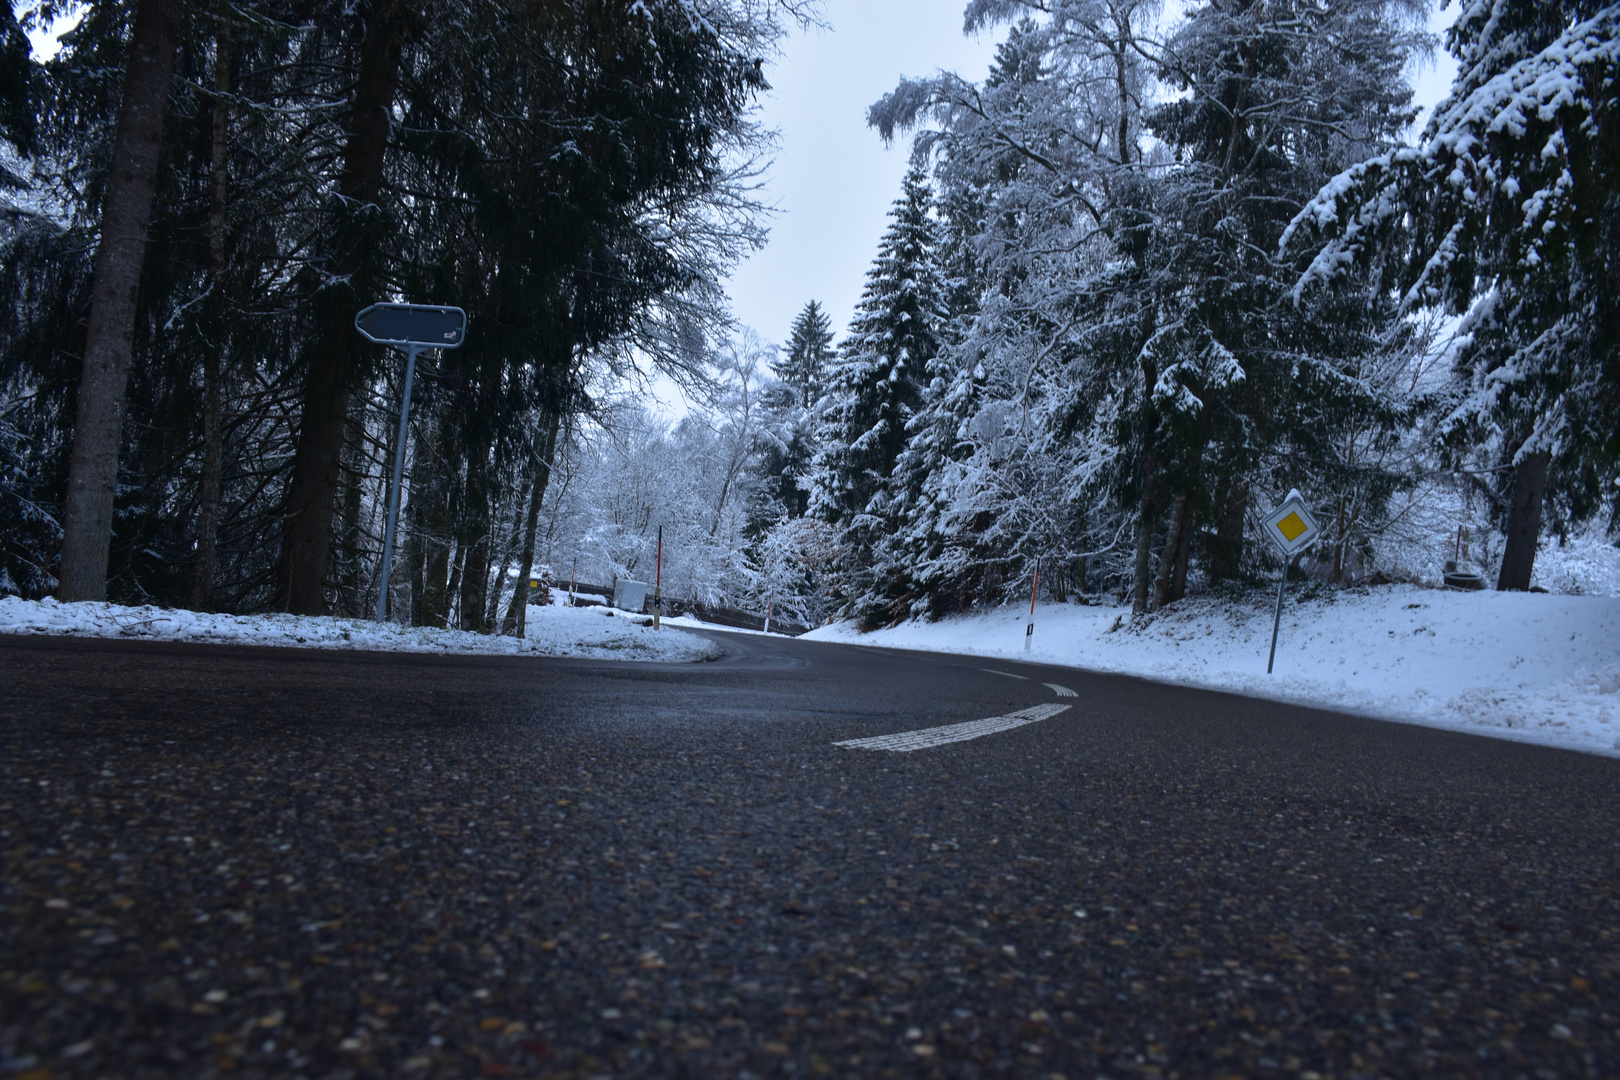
(629,595)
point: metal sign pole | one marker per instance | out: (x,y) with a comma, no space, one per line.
(1276,623)
(658,584)
(393,487)
(413,327)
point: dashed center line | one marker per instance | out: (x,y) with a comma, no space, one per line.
(906,741)
(1009,674)
(1060,691)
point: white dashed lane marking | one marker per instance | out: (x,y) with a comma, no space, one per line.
(906,741)
(1009,674)
(1060,691)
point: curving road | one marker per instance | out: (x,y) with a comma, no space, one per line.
(224,861)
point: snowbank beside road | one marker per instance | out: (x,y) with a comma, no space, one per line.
(592,633)
(1539,668)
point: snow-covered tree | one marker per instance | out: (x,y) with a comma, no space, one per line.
(809,353)
(1508,210)
(1134,358)
(875,387)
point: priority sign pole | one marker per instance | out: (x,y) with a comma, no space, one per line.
(1276,623)
(1291,529)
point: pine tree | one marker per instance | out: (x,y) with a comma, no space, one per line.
(809,353)
(1507,211)
(876,386)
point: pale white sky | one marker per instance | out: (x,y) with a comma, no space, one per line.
(834,180)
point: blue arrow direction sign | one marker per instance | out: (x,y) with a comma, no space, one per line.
(423,325)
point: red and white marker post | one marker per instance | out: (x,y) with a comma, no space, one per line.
(1029,631)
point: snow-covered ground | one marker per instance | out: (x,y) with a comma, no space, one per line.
(595,633)
(1527,666)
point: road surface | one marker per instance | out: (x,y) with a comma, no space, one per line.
(243,862)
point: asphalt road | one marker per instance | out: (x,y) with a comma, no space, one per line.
(237,862)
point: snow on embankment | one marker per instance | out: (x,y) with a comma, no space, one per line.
(1527,666)
(592,633)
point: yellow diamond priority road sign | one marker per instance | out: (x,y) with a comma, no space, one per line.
(1291,527)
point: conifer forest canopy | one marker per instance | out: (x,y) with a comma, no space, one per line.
(1154,269)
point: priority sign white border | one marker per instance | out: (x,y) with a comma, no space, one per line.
(1293,505)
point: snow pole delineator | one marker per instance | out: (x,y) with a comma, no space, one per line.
(412,327)
(1034,590)
(1291,529)
(658,584)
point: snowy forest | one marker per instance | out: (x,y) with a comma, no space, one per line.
(1157,267)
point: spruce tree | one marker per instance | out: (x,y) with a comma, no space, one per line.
(1506,212)
(809,353)
(876,388)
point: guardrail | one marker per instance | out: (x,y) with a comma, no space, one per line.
(709,613)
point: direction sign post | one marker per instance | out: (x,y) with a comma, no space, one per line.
(413,327)
(1291,529)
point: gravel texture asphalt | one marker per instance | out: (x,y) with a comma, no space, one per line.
(239,862)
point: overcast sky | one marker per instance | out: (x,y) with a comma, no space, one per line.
(834,180)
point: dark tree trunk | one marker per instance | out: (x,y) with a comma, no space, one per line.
(453,590)
(202,568)
(1524,522)
(351,556)
(432,505)
(474,538)
(1178,578)
(1226,546)
(509,551)
(334,355)
(1144,536)
(126,214)
(516,615)
(1172,548)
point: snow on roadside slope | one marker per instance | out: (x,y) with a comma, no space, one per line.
(552,631)
(1537,668)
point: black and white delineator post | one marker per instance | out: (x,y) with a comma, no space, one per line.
(1291,529)
(412,327)
(1029,631)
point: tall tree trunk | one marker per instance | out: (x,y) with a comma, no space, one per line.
(509,551)
(1226,547)
(1178,579)
(516,615)
(126,215)
(472,537)
(199,597)
(433,508)
(1524,522)
(1144,534)
(351,596)
(452,591)
(334,354)
(1172,547)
